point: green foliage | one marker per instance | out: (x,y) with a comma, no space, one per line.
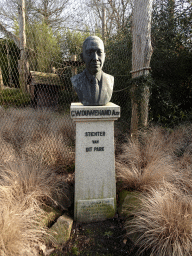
(67,94)
(44,47)
(75,250)
(118,64)
(9,54)
(14,97)
(73,41)
(66,97)
(171,66)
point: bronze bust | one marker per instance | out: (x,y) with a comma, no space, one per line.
(93,86)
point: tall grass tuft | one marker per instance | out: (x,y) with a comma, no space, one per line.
(38,134)
(35,146)
(24,191)
(145,162)
(20,227)
(163,223)
(30,182)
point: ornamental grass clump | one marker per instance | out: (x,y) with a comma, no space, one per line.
(35,146)
(163,223)
(32,182)
(20,226)
(20,210)
(25,191)
(183,149)
(145,161)
(38,134)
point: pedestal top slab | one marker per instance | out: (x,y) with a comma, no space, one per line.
(79,112)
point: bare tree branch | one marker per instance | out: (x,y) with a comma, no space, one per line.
(116,13)
(9,35)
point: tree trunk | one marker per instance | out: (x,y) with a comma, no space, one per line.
(103,23)
(141,56)
(74,68)
(1,80)
(23,64)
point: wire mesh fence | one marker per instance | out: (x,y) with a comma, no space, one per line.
(36,91)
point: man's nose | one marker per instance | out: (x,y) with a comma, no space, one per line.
(95,56)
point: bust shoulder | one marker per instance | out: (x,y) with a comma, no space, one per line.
(78,79)
(108,79)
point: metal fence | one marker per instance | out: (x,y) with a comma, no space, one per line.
(35,97)
(37,61)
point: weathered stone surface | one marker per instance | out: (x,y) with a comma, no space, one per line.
(95,209)
(95,182)
(128,201)
(61,230)
(50,216)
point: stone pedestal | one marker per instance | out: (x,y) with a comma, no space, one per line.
(95,185)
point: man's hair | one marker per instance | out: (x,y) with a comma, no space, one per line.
(91,38)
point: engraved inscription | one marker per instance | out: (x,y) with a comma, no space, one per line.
(98,148)
(94,134)
(89,149)
(95,209)
(95,141)
(106,112)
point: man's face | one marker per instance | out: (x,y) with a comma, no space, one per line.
(94,55)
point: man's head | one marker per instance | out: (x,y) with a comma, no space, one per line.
(93,54)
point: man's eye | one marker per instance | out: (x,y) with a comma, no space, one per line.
(89,53)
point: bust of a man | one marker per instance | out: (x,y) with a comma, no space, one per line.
(93,86)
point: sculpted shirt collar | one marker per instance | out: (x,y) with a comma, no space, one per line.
(90,77)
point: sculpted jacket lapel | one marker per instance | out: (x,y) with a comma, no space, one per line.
(104,90)
(92,86)
(86,88)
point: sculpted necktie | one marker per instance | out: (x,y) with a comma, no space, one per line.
(95,90)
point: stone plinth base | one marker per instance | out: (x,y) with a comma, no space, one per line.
(95,185)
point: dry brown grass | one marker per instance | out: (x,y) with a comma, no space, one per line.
(181,138)
(159,164)
(20,211)
(20,227)
(145,162)
(24,190)
(37,134)
(163,223)
(38,144)
(35,145)
(184,180)
(32,182)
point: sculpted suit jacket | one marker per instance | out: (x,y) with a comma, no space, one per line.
(82,84)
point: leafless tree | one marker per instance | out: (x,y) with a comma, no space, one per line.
(49,11)
(117,13)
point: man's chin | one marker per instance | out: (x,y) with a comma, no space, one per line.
(95,70)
